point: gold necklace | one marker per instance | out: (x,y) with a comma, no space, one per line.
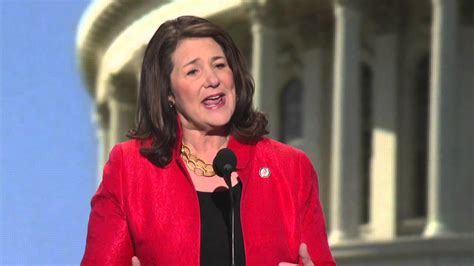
(198,166)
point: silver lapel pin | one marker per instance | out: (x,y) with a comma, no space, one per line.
(264,172)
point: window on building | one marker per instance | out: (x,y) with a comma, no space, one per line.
(421,136)
(366,127)
(292,111)
(414,182)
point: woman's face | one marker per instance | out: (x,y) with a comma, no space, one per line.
(202,84)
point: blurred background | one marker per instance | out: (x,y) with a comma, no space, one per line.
(378,93)
(47,145)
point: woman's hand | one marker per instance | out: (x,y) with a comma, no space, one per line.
(303,254)
(135,261)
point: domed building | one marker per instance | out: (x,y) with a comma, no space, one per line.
(379,94)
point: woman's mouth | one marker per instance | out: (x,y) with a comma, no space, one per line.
(214,101)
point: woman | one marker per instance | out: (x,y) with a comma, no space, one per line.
(160,201)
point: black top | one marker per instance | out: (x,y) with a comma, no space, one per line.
(216,227)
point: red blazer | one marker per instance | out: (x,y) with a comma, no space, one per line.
(151,212)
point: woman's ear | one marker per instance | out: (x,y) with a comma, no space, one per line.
(171,100)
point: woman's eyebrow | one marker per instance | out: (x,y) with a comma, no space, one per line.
(214,58)
(191,62)
(217,57)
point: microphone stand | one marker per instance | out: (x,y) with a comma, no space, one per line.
(224,164)
(232,218)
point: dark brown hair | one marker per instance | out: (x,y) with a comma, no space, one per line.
(157,120)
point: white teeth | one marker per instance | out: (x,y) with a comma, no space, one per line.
(214,97)
(213,100)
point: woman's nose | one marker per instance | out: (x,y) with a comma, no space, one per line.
(211,79)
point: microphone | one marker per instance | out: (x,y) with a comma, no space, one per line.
(224,164)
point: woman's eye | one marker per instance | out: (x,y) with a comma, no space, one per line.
(220,65)
(192,72)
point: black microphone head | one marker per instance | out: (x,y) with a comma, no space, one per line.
(224,163)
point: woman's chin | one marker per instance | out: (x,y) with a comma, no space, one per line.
(217,125)
(217,119)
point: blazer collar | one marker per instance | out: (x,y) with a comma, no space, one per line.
(242,152)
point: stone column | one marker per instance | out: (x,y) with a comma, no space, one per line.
(313,113)
(264,54)
(383,179)
(443,213)
(102,119)
(122,105)
(465,142)
(121,120)
(346,126)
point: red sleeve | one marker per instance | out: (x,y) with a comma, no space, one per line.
(108,238)
(312,217)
